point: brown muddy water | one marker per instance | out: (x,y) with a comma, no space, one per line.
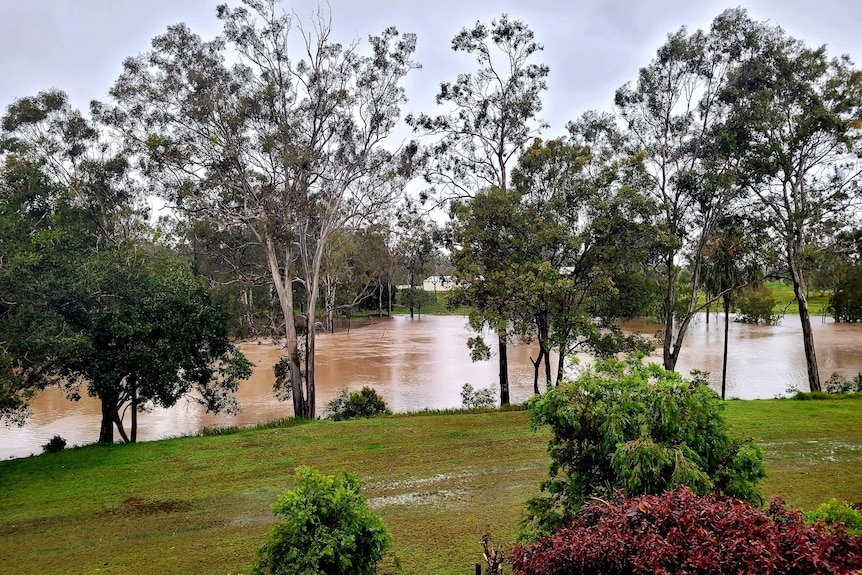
(423,363)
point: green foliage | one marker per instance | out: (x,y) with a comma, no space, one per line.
(363,403)
(55,445)
(640,429)
(846,303)
(328,529)
(839,384)
(479,398)
(755,305)
(833,512)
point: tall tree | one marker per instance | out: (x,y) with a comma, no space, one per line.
(797,116)
(494,116)
(673,114)
(292,147)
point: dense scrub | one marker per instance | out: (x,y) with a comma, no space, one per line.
(639,429)
(681,533)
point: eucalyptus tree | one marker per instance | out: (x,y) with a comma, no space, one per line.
(674,114)
(493,116)
(493,111)
(798,120)
(275,126)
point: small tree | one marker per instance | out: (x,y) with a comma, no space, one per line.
(755,305)
(328,529)
(639,429)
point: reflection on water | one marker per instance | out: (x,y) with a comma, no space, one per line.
(418,364)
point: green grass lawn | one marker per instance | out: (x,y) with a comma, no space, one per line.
(786,302)
(201,504)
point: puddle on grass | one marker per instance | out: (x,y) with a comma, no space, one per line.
(815,451)
(410,483)
(442,496)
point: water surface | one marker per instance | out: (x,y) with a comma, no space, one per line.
(423,363)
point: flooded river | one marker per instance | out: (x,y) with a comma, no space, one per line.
(418,364)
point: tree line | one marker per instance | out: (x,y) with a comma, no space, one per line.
(733,156)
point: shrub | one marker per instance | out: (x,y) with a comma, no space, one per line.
(328,529)
(846,303)
(833,512)
(639,429)
(364,403)
(839,384)
(755,305)
(55,445)
(480,398)
(680,532)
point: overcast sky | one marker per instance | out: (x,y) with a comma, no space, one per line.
(591,46)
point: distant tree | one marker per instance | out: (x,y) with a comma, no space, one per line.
(415,253)
(733,258)
(138,335)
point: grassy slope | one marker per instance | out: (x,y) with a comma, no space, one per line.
(201,505)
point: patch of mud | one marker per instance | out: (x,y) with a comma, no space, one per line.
(138,506)
(251,520)
(423,481)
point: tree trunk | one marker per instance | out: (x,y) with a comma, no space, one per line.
(536,371)
(561,362)
(284,289)
(106,428)
(726,330)
(119,423)
(134,428)
(805,318)
(379,298)
(504,369)
(668,355)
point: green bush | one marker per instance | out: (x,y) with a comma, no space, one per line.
(839,384)
(846,303)
(364,403)
(479,398)
(55,445)
(833,512)
(328,529)
(755,305)
(638,429)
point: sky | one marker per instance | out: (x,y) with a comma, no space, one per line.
(591,46)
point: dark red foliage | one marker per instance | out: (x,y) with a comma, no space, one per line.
(681,533)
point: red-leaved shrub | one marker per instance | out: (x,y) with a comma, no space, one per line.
(681,533)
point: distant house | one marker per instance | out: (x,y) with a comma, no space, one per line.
(437,283)
(434,284)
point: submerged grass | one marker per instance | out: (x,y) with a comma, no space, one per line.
(439,480)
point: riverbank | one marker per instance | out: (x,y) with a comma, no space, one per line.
(201,504)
